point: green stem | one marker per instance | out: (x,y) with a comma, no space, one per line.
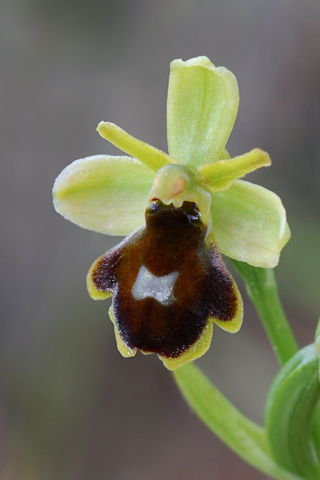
(263,292)
(243,436)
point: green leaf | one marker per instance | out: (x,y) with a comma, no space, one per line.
(249,224)
(103,193)
(317,340)
(201,109)
(243,436)
(290,409)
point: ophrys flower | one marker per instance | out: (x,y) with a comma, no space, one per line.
(168,281)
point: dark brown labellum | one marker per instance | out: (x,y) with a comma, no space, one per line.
(166,281)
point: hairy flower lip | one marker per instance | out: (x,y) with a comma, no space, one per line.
(173,297)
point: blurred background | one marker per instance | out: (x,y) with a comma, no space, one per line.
(70,406)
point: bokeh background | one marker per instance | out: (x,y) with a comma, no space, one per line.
(70,406)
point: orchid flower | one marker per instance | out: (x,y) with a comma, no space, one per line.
(179,212)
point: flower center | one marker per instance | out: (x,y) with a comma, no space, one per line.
(176,184)
(170,183)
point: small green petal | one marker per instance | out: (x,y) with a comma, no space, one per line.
(249,224)
(104,193)
(221,174)
(150,156)
(201,109)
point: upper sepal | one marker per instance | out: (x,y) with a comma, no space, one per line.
(201,109)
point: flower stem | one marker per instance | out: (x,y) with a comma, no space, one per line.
(262,289)
(242,435)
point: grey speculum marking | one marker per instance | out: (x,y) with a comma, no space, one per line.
(159,288)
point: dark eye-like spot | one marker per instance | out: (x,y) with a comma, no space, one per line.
(154,206)
(192,212)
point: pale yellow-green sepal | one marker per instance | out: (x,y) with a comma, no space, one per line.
(221,174)
(249,224)
(150,156)
(122,347)
(201,109)
(198,349)
(104,193)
